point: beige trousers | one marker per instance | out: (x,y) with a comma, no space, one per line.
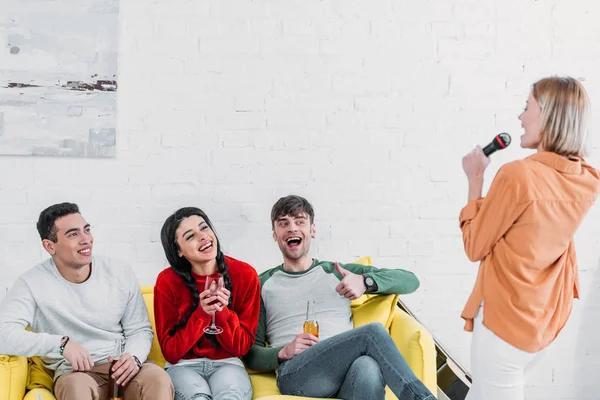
(151,383)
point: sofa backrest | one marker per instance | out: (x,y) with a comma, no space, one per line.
(155,352)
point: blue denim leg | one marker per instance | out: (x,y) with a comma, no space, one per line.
(364,381)
(321,370)
(189,383)
(230,382)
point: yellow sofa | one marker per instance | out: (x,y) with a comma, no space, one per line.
(26,379)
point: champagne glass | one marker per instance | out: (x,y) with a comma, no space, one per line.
(214,282)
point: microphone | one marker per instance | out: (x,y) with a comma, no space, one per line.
(501,141)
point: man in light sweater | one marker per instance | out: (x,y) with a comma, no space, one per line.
(341,362)
(78,307)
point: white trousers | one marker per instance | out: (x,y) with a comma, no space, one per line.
(498,368)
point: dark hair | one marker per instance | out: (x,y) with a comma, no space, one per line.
(181,265)
(291,205)
(46,226)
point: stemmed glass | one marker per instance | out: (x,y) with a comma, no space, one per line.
(213,283)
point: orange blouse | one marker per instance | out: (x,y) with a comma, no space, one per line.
(522,232)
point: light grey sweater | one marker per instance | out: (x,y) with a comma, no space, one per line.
(106,307)
(283,299)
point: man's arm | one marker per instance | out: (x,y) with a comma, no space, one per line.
(136,325)
(16,313)
(388,281)
(260,357)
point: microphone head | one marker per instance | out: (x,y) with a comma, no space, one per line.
(502,140)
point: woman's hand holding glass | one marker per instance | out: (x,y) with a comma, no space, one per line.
(222,295)
(214,298)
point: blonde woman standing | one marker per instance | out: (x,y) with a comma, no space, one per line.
(522,232)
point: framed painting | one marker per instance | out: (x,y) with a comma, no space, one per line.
(58,77)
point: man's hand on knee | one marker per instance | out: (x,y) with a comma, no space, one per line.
(300,343)
(79,358)
(124,369)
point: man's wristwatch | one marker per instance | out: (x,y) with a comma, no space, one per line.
(63,343)
(137,361)
(370,283)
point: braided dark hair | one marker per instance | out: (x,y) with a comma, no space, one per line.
(182,266)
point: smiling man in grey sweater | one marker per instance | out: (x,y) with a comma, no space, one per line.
(78,307)
(342,362)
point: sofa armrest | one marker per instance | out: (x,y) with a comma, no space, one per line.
(13,377)
(417,346)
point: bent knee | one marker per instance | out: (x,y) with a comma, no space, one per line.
(235,392)
(374,328)
(366,363)
(76,385)
(369,368)
(154,381)
(153,372)
(365,373)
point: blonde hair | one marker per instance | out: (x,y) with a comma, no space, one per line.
(564,107)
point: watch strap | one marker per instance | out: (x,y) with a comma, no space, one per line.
(64,341)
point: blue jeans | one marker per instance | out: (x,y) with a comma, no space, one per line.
(356,364)
(210,380)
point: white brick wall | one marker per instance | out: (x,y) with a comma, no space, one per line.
(364,107)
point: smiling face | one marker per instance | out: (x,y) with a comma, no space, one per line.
(293,235)
(196,240)
(74,242)
(531,122)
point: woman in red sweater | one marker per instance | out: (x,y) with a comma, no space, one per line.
(202,365)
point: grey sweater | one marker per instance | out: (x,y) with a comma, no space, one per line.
(106,307)
(283,299)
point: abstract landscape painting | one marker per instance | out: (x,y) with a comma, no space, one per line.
(58,77)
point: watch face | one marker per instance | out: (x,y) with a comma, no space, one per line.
(369,281)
